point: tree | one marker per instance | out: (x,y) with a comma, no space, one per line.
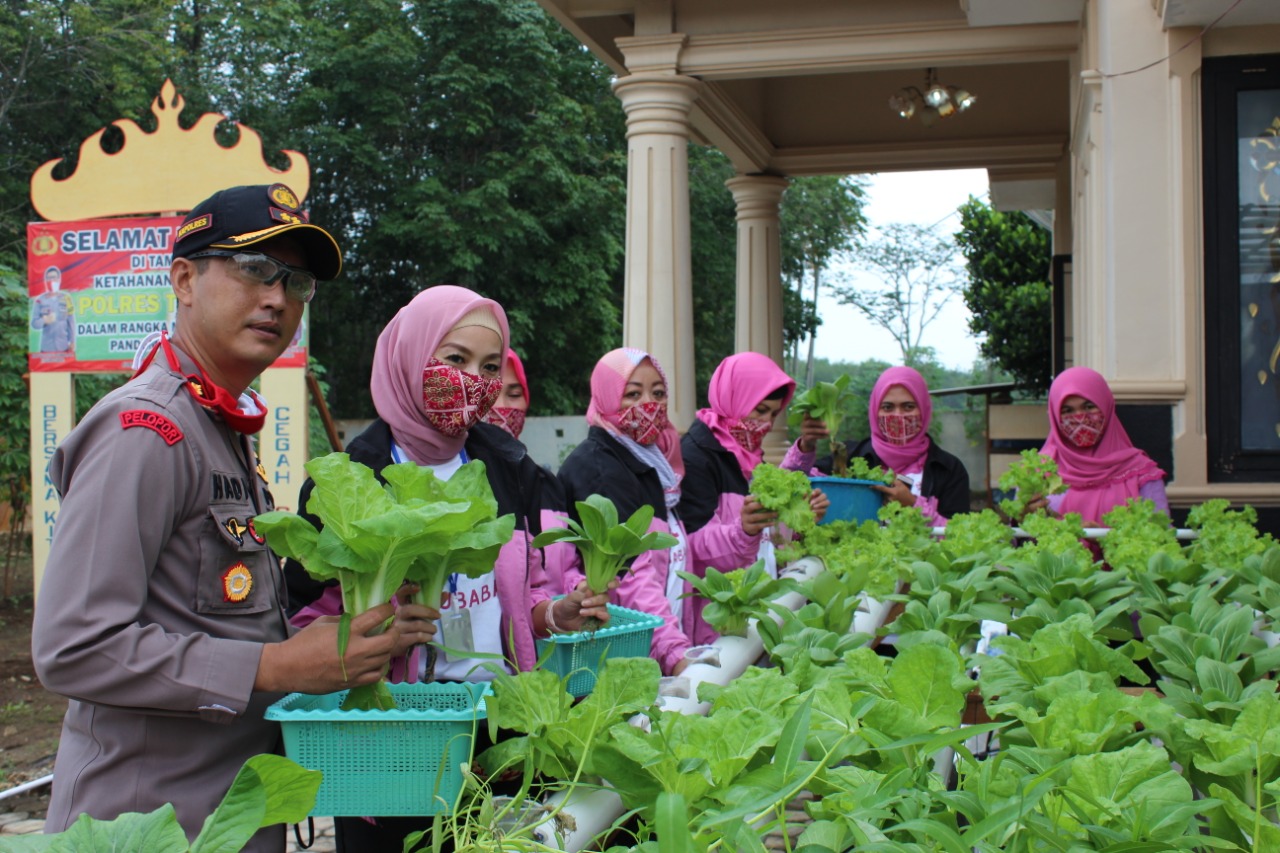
(1008,291)
(917,276)
(821,217)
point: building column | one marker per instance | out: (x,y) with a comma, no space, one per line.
(758,308)
(657,313)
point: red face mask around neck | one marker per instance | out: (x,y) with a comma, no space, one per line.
(211,396)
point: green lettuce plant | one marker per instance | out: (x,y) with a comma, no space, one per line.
(375,537)
(268,790)
(734,598)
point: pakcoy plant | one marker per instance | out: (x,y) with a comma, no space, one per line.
(827,402)
(605,545)
(735,597)
(268,790)
(374,536)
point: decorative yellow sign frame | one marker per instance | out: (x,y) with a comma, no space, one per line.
(166,171)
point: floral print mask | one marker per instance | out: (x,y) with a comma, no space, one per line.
(453,401)
(750,433)
(643,422)
(1083,429)
(509,419)
(900,427)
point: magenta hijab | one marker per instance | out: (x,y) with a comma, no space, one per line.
(405,346)
(902,458)
(609,382)
(1106,475)
(742,382)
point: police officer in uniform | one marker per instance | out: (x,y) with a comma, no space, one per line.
(161,612)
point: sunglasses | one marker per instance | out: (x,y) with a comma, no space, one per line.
(299,284)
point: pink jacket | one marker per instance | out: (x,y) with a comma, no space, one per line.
(522,584)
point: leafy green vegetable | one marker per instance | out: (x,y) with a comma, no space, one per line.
(1033,476)
(827,402)
(733,598)
(859,469)
(786,493)
(606,545)
(375,536)
(268,790)
(1137,531)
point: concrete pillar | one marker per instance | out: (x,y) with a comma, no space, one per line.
(758,307)
(657,313)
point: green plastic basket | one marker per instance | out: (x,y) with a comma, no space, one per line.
(577,655)
(384,763)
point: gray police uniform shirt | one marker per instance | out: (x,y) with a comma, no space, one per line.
(154,606)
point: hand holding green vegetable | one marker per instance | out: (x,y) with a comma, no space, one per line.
(1032,479)
(574,610)
(309,661)
(755,517)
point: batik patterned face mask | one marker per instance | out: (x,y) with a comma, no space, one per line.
(453,401)
(750,433)
(1083,429)
(643,422)
(509,419)
(900,427)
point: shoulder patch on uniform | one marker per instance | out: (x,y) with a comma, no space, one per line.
(153,421)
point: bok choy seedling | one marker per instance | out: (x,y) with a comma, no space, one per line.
(605,545)
(375,537)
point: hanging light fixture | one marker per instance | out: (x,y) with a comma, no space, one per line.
(935,101)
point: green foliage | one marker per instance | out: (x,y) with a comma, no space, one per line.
(1008,292)
(15,409)
(830,403)
(860,469)
(735,597)
(1033,476)
(269,790)
(605,545)
(375,536)
(1138,531)
(786,493)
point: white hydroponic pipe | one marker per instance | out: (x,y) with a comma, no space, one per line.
(590,813)
(1089,532)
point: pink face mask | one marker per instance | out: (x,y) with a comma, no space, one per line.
(750,433)
(643,422)
(1083,429)
(509,419)
(452,401)
(899,427)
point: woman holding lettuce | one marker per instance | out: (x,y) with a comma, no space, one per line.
(722,447)
(436,371)
(899,413)
(632,457)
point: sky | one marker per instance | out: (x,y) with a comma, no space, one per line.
(922,198)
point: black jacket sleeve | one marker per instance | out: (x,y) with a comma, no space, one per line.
(951,487)
(699,490)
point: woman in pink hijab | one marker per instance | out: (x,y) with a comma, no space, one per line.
(512,405)
(1095,457)
(899,413)
(436,372)
(632,456)
(728,529)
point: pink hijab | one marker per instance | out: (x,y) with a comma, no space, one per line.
(404,347)
(1106,475)
(902,458)
(608,382)
(740,383)
(517,367)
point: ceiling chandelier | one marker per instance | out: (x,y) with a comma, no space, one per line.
(934,102)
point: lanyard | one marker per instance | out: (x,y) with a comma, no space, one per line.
(397,455)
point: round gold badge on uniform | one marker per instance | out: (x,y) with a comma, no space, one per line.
(237,583)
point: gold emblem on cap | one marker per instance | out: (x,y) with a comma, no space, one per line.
(283,196)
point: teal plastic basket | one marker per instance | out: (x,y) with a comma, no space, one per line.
(577,655)
(384,763)
(851,500)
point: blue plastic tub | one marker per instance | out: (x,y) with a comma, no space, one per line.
(851,500)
